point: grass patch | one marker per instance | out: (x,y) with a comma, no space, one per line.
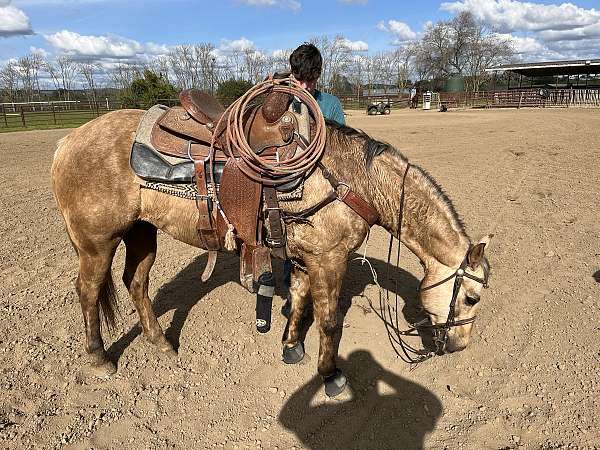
(45,120)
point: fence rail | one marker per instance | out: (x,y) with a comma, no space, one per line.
(522,98)
(16,116)
(50,115)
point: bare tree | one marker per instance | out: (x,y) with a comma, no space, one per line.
(63,72)
(122,75)
(485,49)
(194,66)
(160,65)
(25,69)
(89,70)
(279,61)
(336,58)
(461,46)
(403,58)
(9,81)
(256,65)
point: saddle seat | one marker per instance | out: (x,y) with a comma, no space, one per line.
(203,107)
(187,131)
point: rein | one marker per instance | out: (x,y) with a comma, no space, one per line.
(403,350)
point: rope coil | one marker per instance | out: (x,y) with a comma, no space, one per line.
(267,169)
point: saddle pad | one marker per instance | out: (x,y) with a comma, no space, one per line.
(151,166)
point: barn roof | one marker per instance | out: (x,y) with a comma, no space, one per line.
(573,67)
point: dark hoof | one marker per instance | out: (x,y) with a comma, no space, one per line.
(335,384)
(293,355)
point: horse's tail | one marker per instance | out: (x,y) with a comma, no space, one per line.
(108,303)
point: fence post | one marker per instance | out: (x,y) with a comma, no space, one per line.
(54,113)
(4,114)
(23,118)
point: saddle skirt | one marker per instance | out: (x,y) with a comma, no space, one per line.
(173,147)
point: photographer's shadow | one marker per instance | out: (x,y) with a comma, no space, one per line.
(386,411)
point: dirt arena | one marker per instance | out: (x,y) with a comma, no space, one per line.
(528,380)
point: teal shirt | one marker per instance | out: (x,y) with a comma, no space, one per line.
(331,107)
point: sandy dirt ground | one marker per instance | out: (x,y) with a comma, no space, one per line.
(528,380)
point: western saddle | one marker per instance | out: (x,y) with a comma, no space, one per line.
(184,134)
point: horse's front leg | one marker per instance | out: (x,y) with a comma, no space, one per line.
(326,275)
(300,320)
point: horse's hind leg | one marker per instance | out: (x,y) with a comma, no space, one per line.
(301,318)
(140,242)
(95,288)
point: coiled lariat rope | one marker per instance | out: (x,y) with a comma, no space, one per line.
(269,169)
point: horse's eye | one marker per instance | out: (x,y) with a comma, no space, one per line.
(472,301)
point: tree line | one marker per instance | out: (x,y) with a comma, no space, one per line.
(461,46)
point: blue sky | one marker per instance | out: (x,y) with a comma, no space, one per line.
(130,28)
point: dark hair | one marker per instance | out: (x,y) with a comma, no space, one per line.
(306,62)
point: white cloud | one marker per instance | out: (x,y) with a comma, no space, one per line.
(357,46)
(294,5)
(514,15)
(522,44)
(400,30)
(241,45)
(536,30)
(39,51)
(102,46)
(587,32)
(13,21)
(282,53)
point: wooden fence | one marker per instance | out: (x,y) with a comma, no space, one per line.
(50,115)
(15,116)
(522,98)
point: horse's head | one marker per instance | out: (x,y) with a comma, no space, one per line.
(451,297)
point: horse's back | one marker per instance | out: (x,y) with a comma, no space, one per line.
(91,179)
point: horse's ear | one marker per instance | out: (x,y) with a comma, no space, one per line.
(475,255)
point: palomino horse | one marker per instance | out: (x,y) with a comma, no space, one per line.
(102,205)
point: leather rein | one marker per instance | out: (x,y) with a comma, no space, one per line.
(440,331)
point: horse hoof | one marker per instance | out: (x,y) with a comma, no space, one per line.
(335,384)
(293,355)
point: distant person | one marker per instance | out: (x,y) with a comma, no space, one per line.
(414,98)
(306,64)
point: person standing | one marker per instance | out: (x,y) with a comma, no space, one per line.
(306,64)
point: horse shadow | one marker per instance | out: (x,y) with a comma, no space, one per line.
(186,289)
(400,416)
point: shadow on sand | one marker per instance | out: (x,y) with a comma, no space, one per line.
(186,289)
(386,411)
(596,276)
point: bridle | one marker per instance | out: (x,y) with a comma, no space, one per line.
(440,331)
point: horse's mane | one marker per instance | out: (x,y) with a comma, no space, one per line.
(372,148)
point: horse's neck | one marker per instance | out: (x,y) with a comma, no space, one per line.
(430,227)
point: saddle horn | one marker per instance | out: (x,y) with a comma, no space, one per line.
(276,103)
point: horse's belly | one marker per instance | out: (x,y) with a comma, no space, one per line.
(175,216)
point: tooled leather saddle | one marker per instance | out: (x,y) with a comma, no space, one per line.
(185,133)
